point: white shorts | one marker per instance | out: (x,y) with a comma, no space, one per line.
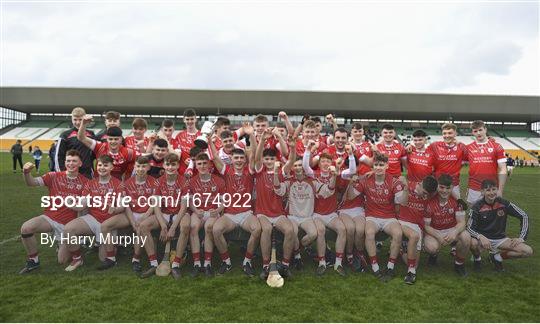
(239,218)
(496,243)
(272,220)
(326,219)
(58,228)
(509,167)
(353,212)
(95,226)
(473,196)
(445,232)
(381,223)
(298,220)
(138,217)
(170,218)
(415,228)
(456,193)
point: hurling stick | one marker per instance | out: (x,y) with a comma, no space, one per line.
(164,268)
(274,278)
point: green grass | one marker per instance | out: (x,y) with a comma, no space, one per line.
(51,295)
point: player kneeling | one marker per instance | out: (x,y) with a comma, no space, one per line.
(139,186)
(411,218)
(104,187)
(60,184)
(382,192)
(238,187)
(445,224)
(487,226)
(168,217)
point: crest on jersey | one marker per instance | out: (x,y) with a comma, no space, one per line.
(500,213)
(490,149)
(386,191)
(451,210)
(214,188)
(396,151)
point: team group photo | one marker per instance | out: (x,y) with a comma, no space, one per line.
(266,202)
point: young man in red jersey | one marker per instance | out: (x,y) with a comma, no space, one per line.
(112,119)
(122,157)
(397,156)
(206,194)
(103,189)
(486,162)
(411,218)
(419,159)
(362,148)
(308,130)
(137,141)
(444,224)
(171,213)
(238,175)
(326,207)
(301,192)
(383,192)
(269,206)
(448,156)
(487,226)
(60,184)
(186,138)
(139,187)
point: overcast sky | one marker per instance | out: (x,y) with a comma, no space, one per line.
(453,47)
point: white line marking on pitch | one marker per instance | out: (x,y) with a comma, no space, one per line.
(10,239)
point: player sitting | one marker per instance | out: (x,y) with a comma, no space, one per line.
(444,224)
(60,184)
(487,226)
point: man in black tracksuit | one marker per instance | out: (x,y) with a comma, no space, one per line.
(487,226)
(68,140)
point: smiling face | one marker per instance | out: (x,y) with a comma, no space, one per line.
(379,168)
(298,168)
(112,122)
(449,135)
(141,169)
(104,168)
(260,127)
(203,166)
(168,131)
(138,133)
(490,193)
(308,133)
(228,143)
(444,191)
(159,153)
(238,161)
(190,121)
(325,164)
(76,121)
(73,163)
(419,142)
(340,139)
(388,135)
(114,142)
(357,134)
(171,168)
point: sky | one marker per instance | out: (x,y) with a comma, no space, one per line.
(410,47)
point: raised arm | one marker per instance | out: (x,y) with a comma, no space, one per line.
(28,179)
(81,134)
(288,124)
(282,145)
(215,155)
(292,155)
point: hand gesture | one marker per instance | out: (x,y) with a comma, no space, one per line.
(291,142)
(330,118)
(339,162)
(276,166)
(248,129)
(283,115)
(348,149)
(333,170)
(28,166)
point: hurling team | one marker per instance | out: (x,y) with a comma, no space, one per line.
(292,179)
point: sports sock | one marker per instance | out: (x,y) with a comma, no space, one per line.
(247,258)
(458,260)
(339,257)
(207,258)
(498,257)
(76,255)
(412,265)
(197,259)
(176,262)
(136,258)
(225,257)
(374,263)
(477,258)
(266,263)
(111,255)
(350,258)
(322,261)
(391,263)
(285,262)
(34,257)
(153,260)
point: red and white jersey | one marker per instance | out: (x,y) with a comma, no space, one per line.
(122,159)
(301,149)
(447,159)
(208,191)
(217,139)
(59,184)
(362,152)
(483,162)
(380,198)
(240,187)
(135,190)
(325,205)
(416,207)
(225,157)
(335,153)
(396,153)
(174,143)
(268,203)
(419,164)
(131,143)
(106,191)
(185,142)
(443,216)
(171,194)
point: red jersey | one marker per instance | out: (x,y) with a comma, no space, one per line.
(217,140)
(324,206)
(363,151)
(395,152)
(300,148)
(185,141)
(483,162)
(333,151)
(59,184)
(94,188)
(122,160)
(443,217)
(380,198)
(135,190)
(268,202)
(171,194)
(131,143)
(239,187)
(208,191)
(447,159)
(415,209)
(419,164)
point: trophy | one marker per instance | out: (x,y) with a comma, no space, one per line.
(207,129)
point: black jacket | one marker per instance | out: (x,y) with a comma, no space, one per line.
(68,141)
(490,220)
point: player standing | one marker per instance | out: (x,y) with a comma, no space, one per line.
(63,184)
(137,141)
(391,147)
(419,159)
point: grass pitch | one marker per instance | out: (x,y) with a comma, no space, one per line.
(52,295)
